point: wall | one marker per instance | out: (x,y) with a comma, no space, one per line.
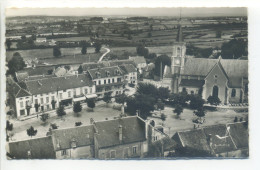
(220,81)
(235,99)
(78,153)
(189,89)
(121,151)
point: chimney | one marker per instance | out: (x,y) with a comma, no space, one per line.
(120,130)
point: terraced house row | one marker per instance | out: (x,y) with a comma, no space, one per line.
(35,94)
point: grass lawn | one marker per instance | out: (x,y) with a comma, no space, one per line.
(73,39)
(100,113)
(185,120)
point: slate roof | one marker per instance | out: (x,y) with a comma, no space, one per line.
(88,66)
(40,148)
(16,89)
(235,82)
(58,83)
(108,131)
(83,135)
(219,145)
(32,71)
(239,134)
(138,59)
(103,72)
(202,66)
(192,83)
(128,68)
(194,139)
(120,62)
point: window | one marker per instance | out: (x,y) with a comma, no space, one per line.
(178,51)
(108,81)
(90,90)
(69,94)
(63,152)
(74,92)
(134,149)
(47,99)
(233,93)
(113,80)
(112,154)
(21,104)
(95,82)
(118,79)
(60,95)
(215,91)
(105,82)
(191,92)
(99,82)
(41,100)
(48,107)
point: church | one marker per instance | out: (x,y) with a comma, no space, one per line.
(225,78)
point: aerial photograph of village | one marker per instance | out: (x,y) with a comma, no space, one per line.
(151,84)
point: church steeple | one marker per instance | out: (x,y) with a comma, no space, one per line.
(179,35)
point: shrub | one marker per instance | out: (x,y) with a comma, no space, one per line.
(213,100)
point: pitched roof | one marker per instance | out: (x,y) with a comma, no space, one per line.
(32,71)
(219,144)
(58,83)
(192,82)
(235,82)
(16,89)
(194,139)
(202,66)
(128,68)
(60,71)
(82,135)
(120,62)
(88,66)
(40,148)
(103,72)
(138,59)
(21,76)
(239,133)
(108,131)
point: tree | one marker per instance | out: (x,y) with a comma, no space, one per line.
(163,93)
(97,46)
(61,111)
(163,117)
(56,52)
(80,69)
(107,98)
(84,47)
(8,43)
(151,56)
(77,107)
(44,117)
(196,101)
(142,51)
(160,64)
(129,37)
(9,126)
(200,112)
(147,89)
(91,103)
(236,119)
(31,132)
(15,64)
(78,123)
(179,98)
(54,126)
(121,99)
(160,104)
(178,109)
(234,49)
(214,100)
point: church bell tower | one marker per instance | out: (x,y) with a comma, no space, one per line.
(178,58)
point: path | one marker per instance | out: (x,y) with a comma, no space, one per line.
(101,58)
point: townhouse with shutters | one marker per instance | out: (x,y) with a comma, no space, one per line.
(43,93)
(121,138)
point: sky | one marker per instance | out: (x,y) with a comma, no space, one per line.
(186,12)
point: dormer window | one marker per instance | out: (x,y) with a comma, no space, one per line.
(73,143)
(117,72)
(98,75)
(107,73)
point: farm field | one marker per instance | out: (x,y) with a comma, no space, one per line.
(73,39)
(47,54)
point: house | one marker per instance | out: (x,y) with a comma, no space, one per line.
(130,73)
(121,138)
(107,80)
(228,140)
(139,61)
(37,148)
(34,96)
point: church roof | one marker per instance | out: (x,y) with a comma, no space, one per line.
(179,37)
(202,66)
(192,83)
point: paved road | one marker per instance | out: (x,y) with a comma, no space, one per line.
(101,58)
